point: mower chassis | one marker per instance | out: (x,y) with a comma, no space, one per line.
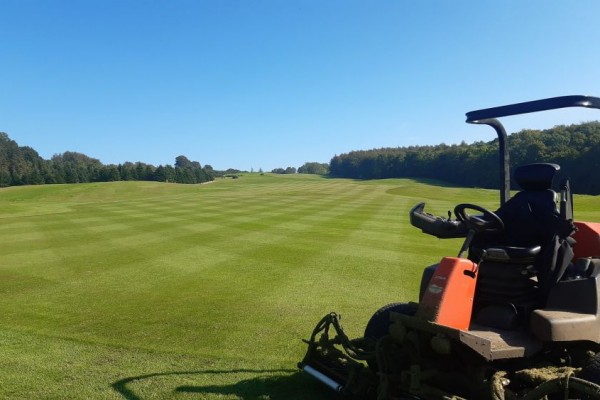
(422,359)
(493,364)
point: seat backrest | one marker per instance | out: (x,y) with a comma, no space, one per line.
(532,216)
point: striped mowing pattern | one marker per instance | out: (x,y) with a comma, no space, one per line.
(100,282)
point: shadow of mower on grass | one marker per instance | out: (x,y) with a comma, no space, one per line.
(277,384)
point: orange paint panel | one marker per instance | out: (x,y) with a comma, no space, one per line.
(588,239)
(448,299)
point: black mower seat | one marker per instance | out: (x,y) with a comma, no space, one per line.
(509,261)
(531,216)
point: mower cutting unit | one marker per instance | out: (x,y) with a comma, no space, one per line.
(516,315)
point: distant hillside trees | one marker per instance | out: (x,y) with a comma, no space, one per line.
(576,148)
(24,166)
(227,173)
(288,170)
(314,168)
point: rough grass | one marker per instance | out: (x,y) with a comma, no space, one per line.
(141,290)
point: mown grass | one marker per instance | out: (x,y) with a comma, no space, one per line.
(141,290)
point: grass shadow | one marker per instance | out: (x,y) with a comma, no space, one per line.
(273,384)
(295,386)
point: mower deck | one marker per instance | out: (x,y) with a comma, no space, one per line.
(491,343)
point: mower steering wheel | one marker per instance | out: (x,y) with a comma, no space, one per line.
(492,224)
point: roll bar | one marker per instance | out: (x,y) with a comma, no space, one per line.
(488,116)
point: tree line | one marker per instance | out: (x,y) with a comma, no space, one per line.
(22,165)
(576,148)
(306,168)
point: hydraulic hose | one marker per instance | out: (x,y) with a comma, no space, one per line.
(333,320)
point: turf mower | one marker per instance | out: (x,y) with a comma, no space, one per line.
(515,315)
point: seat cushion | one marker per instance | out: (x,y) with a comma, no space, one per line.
(507,253)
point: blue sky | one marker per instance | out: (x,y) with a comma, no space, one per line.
(268,84)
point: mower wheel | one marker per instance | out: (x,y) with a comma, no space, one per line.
(379,324)
(591,372)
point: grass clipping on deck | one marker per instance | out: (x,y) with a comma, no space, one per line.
(531,376)
(538,376)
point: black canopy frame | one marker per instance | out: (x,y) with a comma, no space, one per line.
(488,116)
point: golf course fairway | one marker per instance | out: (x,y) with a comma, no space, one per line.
(147,290)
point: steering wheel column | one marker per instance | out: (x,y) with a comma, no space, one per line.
(489,222)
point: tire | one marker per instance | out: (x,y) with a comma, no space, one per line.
(379,324)
(591,372)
